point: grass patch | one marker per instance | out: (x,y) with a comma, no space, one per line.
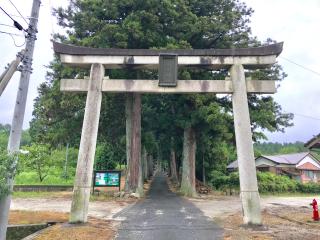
(288,194)
(41,194)
(29,178)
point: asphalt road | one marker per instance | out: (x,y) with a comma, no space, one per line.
(164,215)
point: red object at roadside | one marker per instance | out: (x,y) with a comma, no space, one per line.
(314,204)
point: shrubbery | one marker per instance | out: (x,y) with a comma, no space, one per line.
(7,164)
(308,188)
(31,178)
(267,183)
(222,181)
(40,165)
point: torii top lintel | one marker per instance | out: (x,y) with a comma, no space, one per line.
(255,57)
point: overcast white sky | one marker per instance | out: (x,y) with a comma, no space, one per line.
(295,22)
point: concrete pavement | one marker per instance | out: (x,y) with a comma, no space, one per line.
(164,215)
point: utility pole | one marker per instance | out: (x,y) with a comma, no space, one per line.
(19,110)
(8,73)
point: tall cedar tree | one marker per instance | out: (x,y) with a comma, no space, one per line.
(197,24)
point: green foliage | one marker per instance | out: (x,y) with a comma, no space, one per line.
(54,177)
(153,23)
(57,117)
(44,166)
(266,114)
(107,157)
(4,136)
(7,170)
(25,138)
(221,181)
(37,159)
(5,128)
(267,183)
(61,168)
(268,148)
(309,188)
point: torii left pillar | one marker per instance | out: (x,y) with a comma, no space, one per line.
(82,186)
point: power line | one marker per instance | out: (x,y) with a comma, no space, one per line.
(14,34)
(18,12)
(14,42)
(7,25)
(306,116)
(303,115)
(6,13)
(299,65)
(15,23)
(18,16)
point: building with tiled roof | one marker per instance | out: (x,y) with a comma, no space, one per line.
(304,167)
(313,143)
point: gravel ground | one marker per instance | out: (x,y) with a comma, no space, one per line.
(218,206)
(98,209)
(283,217)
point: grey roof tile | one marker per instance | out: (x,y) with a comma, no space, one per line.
(291,159)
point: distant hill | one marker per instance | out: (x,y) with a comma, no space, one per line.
(270,148)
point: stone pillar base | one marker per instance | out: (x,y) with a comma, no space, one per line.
(79,207)
(251,210)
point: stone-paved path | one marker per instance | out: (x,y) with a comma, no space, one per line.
(164,215)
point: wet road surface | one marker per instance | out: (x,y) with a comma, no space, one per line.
(163,215)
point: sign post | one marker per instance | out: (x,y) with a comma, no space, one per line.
(106,178)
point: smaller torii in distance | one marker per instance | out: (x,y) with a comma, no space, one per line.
(99,59)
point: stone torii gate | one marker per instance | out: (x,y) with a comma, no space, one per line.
(236,60)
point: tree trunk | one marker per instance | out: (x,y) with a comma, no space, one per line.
(203,170)
(145,164)
(173,165)
(129,106)
(135,182)
(150,165)
(139,189)
(159,158)
(188,179)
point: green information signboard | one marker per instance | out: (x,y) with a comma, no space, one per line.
(106,178)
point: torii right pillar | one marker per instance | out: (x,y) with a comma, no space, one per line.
(249,193)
